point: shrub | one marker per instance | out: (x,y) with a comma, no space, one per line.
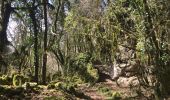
(93,73)
(80,69)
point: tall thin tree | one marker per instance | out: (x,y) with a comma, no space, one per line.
(36,54)
(45,43)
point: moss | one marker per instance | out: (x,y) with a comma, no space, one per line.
(18,80)
(58,85)
(5,80)
(51,86)
(89,74)
(111,95)
(30,85)
(76,79)
(67,87)
(11,92)
(116,96)
(103,89)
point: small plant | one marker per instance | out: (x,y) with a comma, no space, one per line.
(109,93)
(103,89)
(116,96)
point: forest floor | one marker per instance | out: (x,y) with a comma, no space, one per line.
(91,91)
(102,90)
(99,91)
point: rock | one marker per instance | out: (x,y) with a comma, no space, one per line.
(116,71)
(127,82)
(123,65)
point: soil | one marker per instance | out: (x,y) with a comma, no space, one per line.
(90,91)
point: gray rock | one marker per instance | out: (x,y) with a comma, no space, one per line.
(127,82)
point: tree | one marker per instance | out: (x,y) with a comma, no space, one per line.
(45,43)
(6,11)
(36,53)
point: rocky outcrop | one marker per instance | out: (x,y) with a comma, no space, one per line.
(125,67)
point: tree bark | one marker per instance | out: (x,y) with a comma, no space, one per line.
(36,54)
(5,14)
(45,44)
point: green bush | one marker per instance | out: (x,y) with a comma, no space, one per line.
(93,73)
(80,69)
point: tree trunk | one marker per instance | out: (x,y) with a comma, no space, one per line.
(36,54)
(45,44)
(6,10)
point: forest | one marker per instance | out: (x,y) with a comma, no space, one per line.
(84,49)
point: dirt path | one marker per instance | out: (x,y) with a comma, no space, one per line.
(91,92)
(96,95)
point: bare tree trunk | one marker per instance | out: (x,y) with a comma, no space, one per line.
(168,3)
(36,54)
(6,10)
(45,44)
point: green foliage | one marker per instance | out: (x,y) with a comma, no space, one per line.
(18,80)
(103,89)
(51,86)
(71,89)
(68,87)
(96,35)
(111,95)
(93,74)
(79,69)
(116,96)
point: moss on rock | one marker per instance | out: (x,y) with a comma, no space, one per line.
(18,80)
